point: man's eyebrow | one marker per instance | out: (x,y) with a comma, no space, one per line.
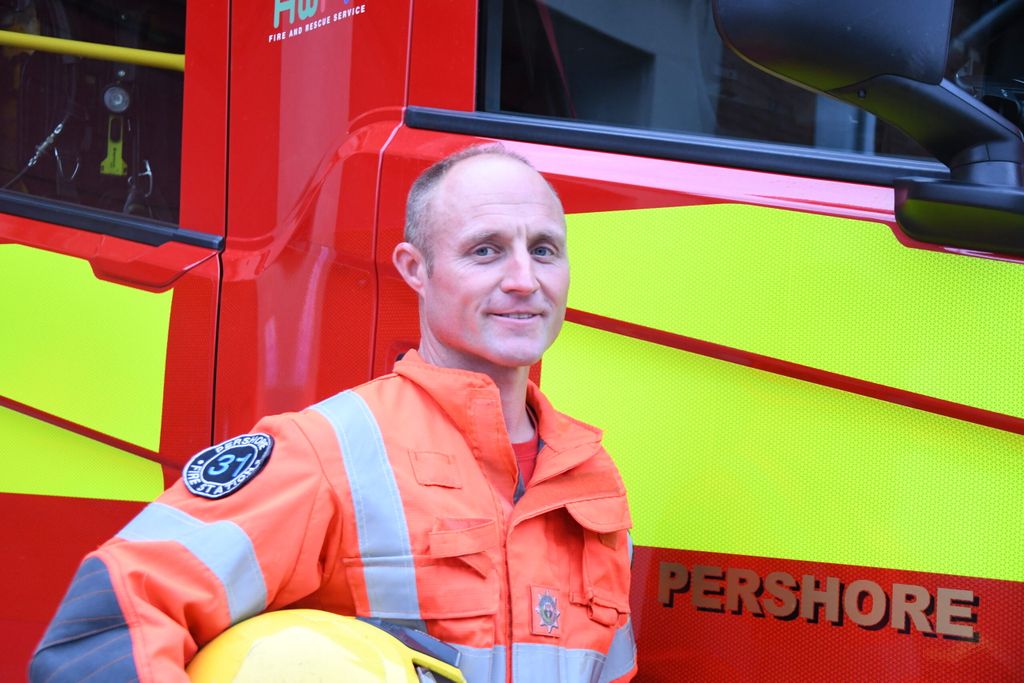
(482,236)
(548,236)
(474,238)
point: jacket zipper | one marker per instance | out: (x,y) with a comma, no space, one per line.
(508,592)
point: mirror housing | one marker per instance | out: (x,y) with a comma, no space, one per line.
(826,46)
(889,59)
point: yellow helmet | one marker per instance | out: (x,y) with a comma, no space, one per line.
(309,645)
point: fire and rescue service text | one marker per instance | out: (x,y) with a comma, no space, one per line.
(290,16)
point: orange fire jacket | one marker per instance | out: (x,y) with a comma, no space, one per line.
(393,500)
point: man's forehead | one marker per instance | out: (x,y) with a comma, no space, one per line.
(495,178)
(483,218)
(492,193)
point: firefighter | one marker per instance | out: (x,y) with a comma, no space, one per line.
(448,496)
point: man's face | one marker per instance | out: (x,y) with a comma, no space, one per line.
(496,292)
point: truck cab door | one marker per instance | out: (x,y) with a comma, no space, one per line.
(112,169)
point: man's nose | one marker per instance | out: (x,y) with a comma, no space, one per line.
(519,275)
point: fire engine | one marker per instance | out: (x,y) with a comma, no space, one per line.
(798,316)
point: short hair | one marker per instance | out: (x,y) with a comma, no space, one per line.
(417,207)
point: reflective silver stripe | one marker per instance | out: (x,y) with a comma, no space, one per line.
(535,662)
(621,655)
(222,546)
(482,664)
(379,515)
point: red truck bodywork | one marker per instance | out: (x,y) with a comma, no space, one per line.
(295,149)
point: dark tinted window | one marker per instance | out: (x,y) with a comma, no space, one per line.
(101,132)
(659,64)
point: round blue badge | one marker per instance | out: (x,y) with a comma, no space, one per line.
(221,470)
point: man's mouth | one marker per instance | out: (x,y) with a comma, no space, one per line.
(516,316)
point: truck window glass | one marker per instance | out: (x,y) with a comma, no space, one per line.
(103,130)
(661,65)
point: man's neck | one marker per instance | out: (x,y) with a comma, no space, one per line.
(513,407)
(511,383)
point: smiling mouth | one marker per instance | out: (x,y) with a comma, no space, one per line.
(517,316)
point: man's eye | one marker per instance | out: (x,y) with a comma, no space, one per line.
(483,251)
(543,252)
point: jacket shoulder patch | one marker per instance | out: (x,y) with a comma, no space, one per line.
(221,470)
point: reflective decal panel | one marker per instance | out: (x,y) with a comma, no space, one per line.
(718,457)
(836,294)
(88,351)
(42,459)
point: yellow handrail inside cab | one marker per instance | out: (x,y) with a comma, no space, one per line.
(79,48)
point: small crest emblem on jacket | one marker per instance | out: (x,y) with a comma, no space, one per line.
(546,614)
(221,470)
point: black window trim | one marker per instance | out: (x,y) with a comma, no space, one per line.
(813,162)
(133,228)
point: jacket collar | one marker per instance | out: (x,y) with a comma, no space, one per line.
(472,401)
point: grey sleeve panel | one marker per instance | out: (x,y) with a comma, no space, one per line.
(88,639)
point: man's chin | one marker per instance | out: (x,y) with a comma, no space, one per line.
(505,353)
(516,359)
(521,359)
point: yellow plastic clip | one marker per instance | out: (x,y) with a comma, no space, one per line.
(114,163)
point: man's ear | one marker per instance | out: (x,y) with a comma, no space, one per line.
(411,265)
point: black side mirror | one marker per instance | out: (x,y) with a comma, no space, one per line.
(889,58)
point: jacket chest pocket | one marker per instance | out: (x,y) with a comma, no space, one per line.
(460,576)
(456,578)
(602,583)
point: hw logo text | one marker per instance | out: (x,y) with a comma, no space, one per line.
(304,8)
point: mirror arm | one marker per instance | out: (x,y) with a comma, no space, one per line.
(977,145)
